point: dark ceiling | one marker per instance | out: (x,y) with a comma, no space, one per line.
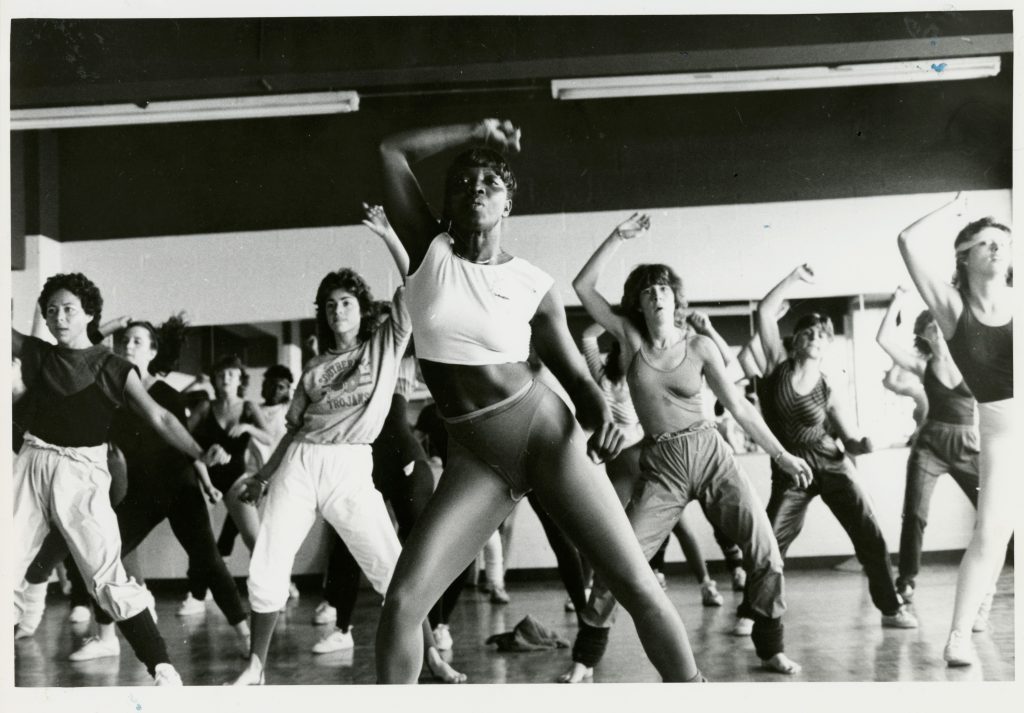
(209,177)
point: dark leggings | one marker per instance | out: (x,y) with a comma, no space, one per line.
(395,449)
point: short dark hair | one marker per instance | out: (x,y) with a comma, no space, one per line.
(642,277)
(349,280)
(479,158)
(232,361)
(922,322)
(968,232)
(279,371)
(812,320)
(167,340)
(87,293)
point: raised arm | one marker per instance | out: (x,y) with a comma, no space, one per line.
(406,207)
(745,413)
(591,351)
(768,311)
(701,323)
(112,325)
(888,337)
(585,283)
(556,349)
(377,221)
(916,242)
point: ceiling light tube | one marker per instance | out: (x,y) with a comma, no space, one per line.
(159,112)
(758,80)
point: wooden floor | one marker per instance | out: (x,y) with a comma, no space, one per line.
(831,628)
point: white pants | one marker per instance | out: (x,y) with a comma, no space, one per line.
(337,481)
(69,488)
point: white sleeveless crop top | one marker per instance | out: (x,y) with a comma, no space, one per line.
(465,313)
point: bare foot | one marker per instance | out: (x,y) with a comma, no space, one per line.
(251,675)
(780,663)
(440,670)
(576,674)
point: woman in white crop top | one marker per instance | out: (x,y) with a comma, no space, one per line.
(474,308)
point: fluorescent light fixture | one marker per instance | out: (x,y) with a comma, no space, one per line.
(159,112)
(760,80)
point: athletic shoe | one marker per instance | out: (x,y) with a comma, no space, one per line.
(569,606)
(709,595)
(96,648)
(191,606)
(79,614)
(337,640)
(959,651)
(165,675)
(661,579)
(742,627)
(325,614)
(902,619)
(739,579)
(443,637)
(293,591)
(906,592)
(499,595)
(981,620)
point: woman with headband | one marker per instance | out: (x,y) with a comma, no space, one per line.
(975,316)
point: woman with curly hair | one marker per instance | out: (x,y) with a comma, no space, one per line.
(60,474)
(324,463)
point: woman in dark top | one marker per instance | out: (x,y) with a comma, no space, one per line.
(801,409)
(60,474)
(975,315)
(228,421)
(162,484)
(947,440)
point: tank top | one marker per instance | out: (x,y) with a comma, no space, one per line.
(139,441)
(799,421)
(946,405)
(208,431)
(984,356)
(666,400)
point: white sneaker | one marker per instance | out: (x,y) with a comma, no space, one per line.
(337,640)
(739,579)
(981,620)
(709,595)
(902,619)
(191,606)
(96,648)
(742,627)
(661,579)
(293,591)
(79,614)
(165,675)
(325,614)
(959,650)
(443,638)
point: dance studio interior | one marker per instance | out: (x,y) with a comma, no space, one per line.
(217,168)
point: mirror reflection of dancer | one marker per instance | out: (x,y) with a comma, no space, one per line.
(946,442)
(799,405)
(683,457)
(474,308)
(60,475)
(324,463)
(975,315)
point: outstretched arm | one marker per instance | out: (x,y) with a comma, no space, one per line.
(888,337)
(555,347)
(585,283)
(377,221)
(768,315)
(915,242)
(591,351)
(746,415)
(406,207)
(847,428)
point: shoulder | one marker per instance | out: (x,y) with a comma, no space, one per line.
(701,346)
(440,248)
(537,278)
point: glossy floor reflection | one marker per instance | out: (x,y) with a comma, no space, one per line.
(831,628)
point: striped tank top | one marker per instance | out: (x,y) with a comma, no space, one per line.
(799,421)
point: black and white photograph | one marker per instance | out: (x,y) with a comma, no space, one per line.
(550,345)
